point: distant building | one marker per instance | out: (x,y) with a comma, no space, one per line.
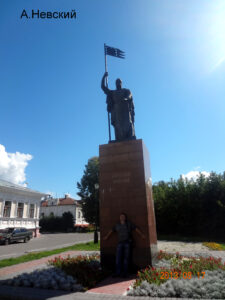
(19,206)
(57,206)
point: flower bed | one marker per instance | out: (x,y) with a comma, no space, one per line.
(179,276)
(86,269)
(70,274)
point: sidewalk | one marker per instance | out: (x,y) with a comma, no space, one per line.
(110,288)
(9,272)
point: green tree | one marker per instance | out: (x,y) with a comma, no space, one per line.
(191,207)
(88,191)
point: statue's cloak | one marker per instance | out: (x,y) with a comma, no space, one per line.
(120,105)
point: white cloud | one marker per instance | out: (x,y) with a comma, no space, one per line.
(13,165)
(195,174)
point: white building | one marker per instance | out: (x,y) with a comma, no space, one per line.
(19,207)
(57,206)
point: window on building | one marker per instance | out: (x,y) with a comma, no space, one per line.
(51,214)
(7,209)
(20,210)
(31,214)
(78,214)
(42,215)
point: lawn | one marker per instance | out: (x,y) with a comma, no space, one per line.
(90,246)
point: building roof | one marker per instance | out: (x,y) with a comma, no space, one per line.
(61,201)
(67,201)
(44,203)
(7,184)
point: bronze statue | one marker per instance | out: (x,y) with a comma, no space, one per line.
(120,105)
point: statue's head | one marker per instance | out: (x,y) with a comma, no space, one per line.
(118,84)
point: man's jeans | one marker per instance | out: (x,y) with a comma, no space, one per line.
(122,251)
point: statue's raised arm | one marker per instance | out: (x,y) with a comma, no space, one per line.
(103,86)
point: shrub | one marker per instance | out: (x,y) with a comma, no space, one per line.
(86,269)
(91,228)
(67,220)
(53,223)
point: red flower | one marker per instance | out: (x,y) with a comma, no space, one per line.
(190,266)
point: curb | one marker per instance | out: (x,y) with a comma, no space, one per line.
(20,293)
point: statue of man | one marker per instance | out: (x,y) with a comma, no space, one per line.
(120,105)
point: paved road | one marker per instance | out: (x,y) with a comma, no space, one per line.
(44,242)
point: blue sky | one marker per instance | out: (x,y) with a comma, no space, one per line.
(52,107)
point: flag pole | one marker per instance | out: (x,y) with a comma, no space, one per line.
(106,81)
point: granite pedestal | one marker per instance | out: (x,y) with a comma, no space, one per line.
(125,185)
